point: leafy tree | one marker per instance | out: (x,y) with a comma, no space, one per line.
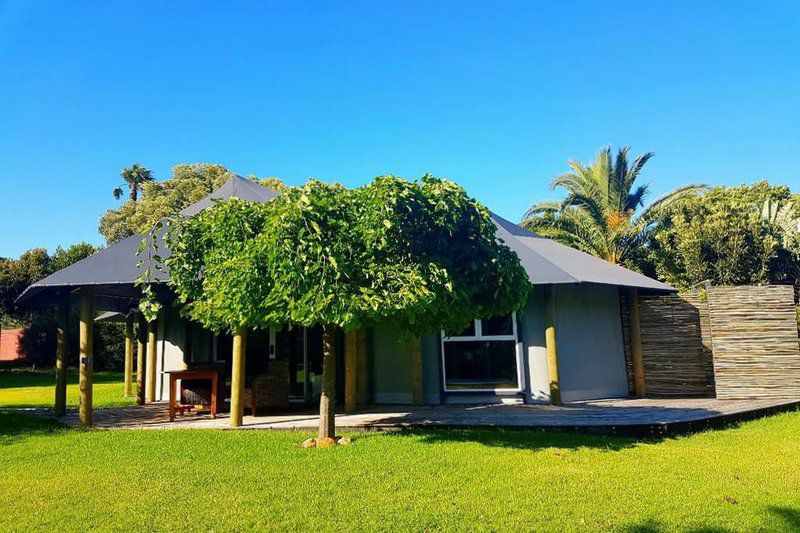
(134,177)
(188,184)
(730,236)
(38,341)
(15,276)
(62,258)
(422,255)
(604,212)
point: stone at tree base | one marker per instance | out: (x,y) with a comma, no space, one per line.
(344,441)
(309,443)
(326,442)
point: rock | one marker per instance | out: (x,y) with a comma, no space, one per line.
(309,443)
(327,442)
(344,441)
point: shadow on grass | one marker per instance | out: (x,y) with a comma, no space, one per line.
(654,526)
(15,426)
(789,516)
(11,379)
(524,439)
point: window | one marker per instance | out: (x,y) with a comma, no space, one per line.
(483,358)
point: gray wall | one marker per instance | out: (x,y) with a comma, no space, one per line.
(591,355)
(391,368)
(171,336)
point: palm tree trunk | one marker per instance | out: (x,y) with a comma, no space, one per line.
(134,192)
(327,401)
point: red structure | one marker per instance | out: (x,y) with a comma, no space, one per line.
(9,344)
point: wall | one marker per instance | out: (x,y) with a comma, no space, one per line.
(590,349)
(676,345)
(171,337)
(9,344)
(735,343)
(390,368)
(530,328)
(591,356)
(755,344)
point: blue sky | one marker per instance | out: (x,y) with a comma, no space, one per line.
(495,95)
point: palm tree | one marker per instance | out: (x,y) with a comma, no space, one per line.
(601,214)
(134,177)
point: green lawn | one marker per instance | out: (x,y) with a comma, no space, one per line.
(742,478)
(25,388)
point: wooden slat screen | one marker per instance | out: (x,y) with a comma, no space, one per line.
(754,334)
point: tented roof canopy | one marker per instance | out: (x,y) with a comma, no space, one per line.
(113,271)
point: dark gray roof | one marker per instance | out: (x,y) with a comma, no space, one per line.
(236,187)
(111,316)
(113,271)
(549,262)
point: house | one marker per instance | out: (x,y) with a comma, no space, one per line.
(568,341)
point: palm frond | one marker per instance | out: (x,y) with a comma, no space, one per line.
(674,198)
(540,208)
(590,205)
(635,199)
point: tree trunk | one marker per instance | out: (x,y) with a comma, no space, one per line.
(327,401)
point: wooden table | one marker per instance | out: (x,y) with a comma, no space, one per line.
(175,375)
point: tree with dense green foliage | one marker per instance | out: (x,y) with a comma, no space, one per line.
(730,236)
(604,212)
(37,344)
(15,276)
(421,255)
(135,177)
(160,199)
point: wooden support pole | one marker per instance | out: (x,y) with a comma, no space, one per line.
(327,400)
(141,358)
(350,372)
(128,387)
(152,352)
(62,341)
(361,367)
(551,347)
(416,371)
(636,344)
(237,377)
(85,362)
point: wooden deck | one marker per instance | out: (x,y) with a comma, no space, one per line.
(632,417)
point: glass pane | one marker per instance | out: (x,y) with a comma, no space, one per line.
(469,332)
(480,365)
(499,325)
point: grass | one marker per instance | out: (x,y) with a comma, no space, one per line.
(743,478)
(26,388)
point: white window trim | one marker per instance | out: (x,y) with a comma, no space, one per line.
(480,337)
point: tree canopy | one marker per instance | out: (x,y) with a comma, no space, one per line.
(17,274)
(159,199)
(604,212)
(729,236)
(420,254)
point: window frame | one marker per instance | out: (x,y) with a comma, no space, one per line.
(488,338)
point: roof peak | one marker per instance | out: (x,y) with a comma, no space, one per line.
(235,187)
